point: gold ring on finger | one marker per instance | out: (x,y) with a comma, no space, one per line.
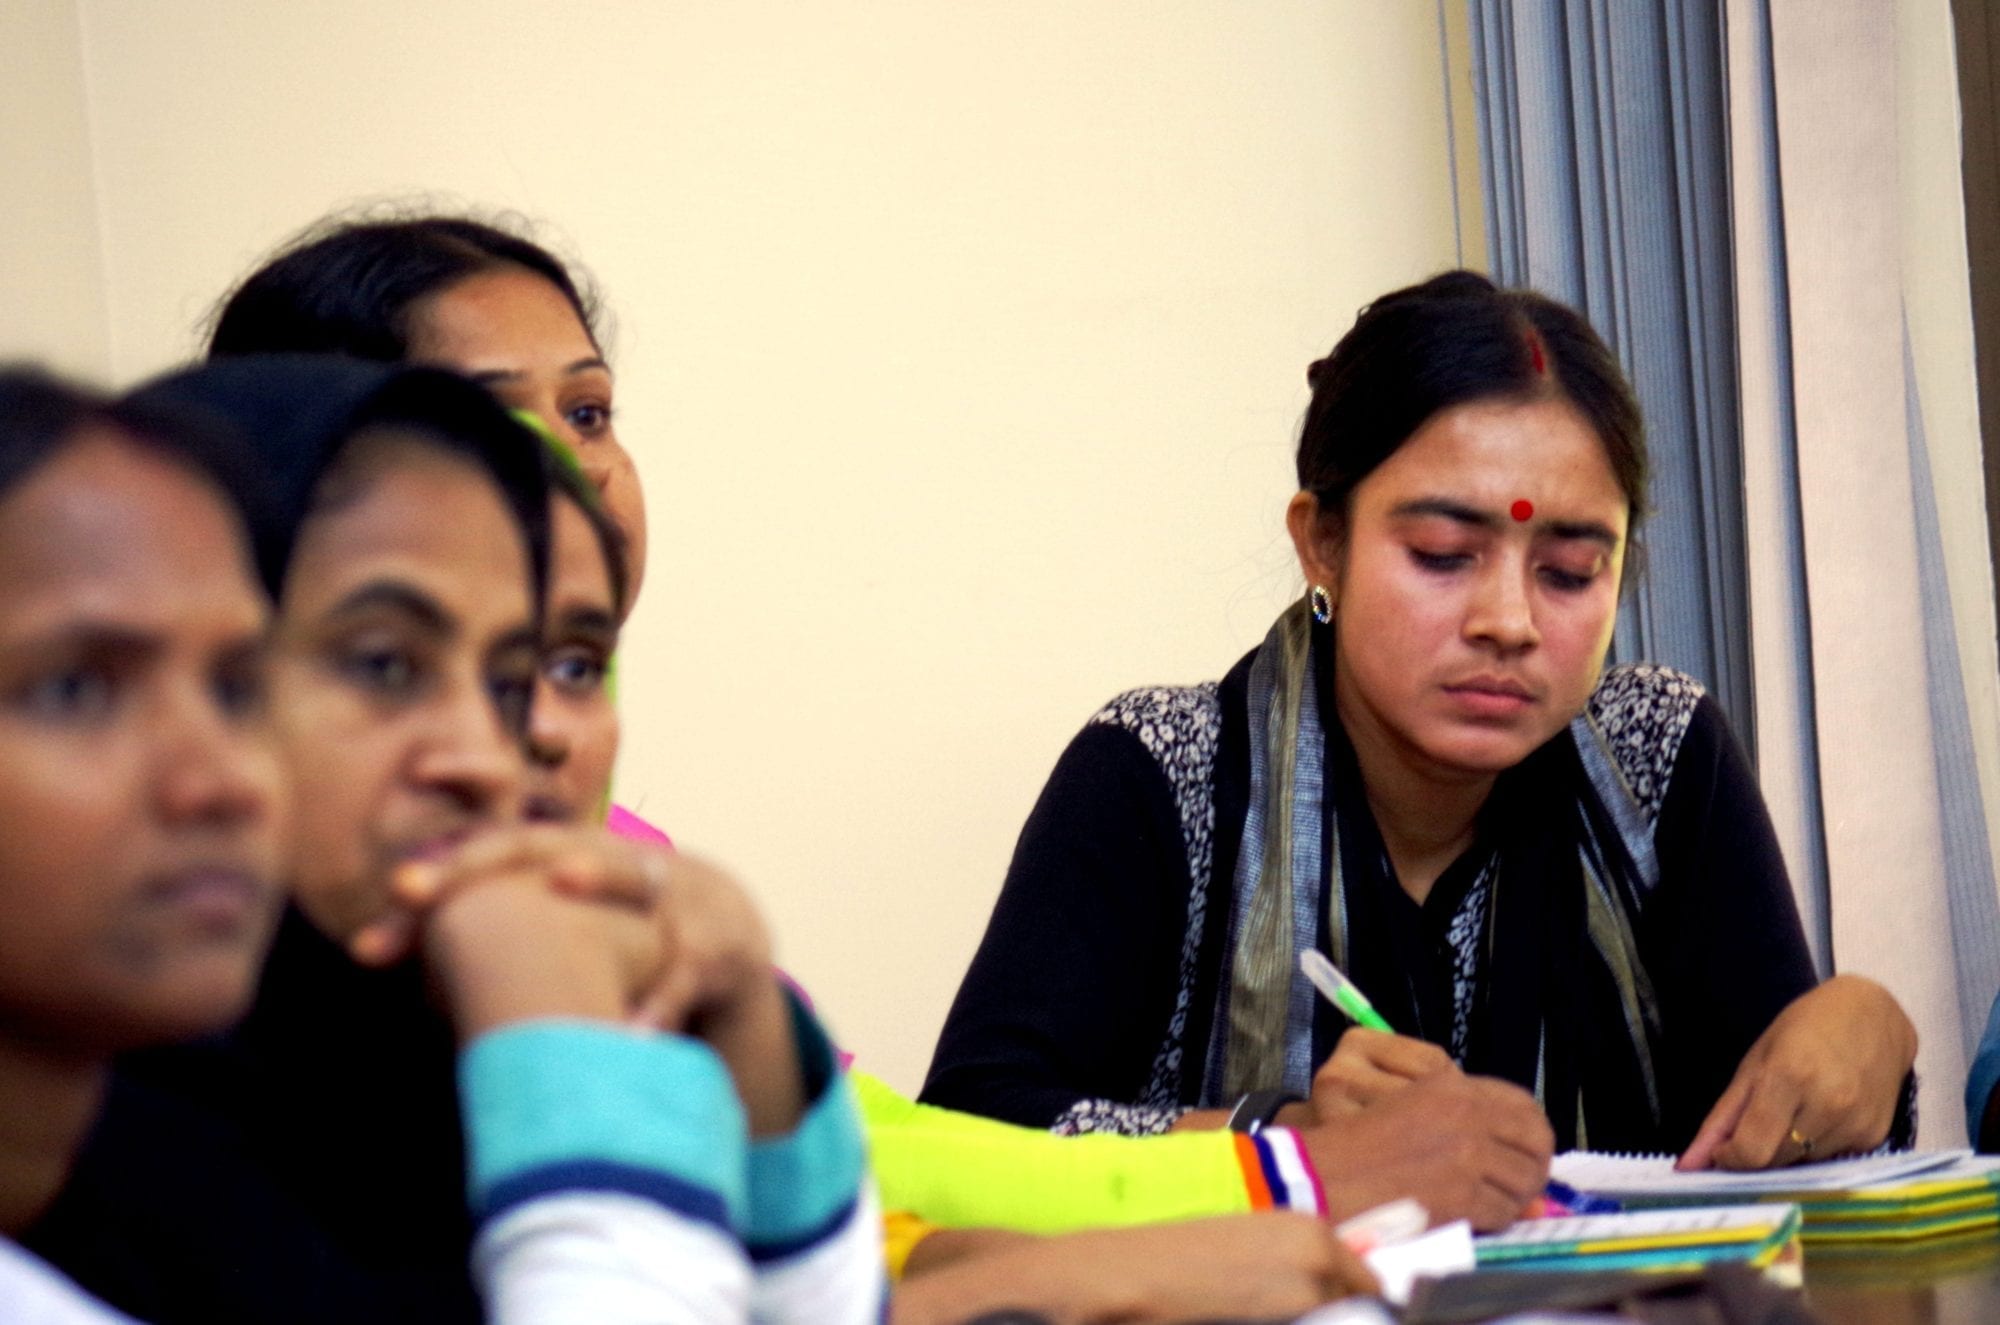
(1804,1143)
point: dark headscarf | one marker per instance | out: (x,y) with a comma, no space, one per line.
(296,412)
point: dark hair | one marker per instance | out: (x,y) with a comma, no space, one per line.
(1454,339)
(42,415)
(297,412)
(348,286)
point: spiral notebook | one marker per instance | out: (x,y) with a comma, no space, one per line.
(1634,1178)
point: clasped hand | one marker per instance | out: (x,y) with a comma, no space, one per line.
(543,920)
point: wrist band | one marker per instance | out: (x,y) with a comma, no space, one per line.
(1254,1112)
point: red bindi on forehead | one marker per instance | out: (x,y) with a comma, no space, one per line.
(1538,358)
(1523,510)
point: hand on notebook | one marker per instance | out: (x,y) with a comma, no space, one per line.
(1367,1066)
(1822,1080)
(1465,1147)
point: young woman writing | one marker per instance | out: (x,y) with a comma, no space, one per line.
(1537,869)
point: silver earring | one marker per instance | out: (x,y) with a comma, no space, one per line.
(1322,604)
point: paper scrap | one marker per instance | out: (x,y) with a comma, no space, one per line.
(1444,1250)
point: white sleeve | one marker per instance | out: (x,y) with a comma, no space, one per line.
(607,1170)
(838,1280)
(614,1181)
(609,1258)
(815,1230)
(36,1293)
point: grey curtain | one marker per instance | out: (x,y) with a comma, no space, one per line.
(1604,153)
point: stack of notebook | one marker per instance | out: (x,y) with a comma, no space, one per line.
(1879,1199)
(1679,1221)
(1764,1236)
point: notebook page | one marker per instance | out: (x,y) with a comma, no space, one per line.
(1716,1222)
(1654,1175)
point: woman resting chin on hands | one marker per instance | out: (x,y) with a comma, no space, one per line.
(565,953)
(612,1166)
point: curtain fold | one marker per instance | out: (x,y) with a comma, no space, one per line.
(1781,637)
(1971,902)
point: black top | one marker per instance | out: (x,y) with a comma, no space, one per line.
(1098,976)
(307,1166)
(167,1217)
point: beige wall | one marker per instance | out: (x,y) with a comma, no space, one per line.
(51,270)
(961,346)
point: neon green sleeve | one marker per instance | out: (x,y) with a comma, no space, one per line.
(960,1171)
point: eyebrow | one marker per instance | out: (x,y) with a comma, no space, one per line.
(1589,530)
(519,640)
(587,620)
(402,599)
(493,375)
(96,638)
(114,639)
(1457,512)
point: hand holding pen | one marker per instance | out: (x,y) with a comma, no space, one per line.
(1371,1061)
(1373,1064)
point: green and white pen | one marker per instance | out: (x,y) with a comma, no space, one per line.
(1340,991)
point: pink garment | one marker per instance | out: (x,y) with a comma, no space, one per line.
(623,823)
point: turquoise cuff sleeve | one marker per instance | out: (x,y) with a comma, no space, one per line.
(804,1186)
(564,1106)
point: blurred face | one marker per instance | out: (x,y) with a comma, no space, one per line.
(515,333)
(572,726)
(1475,588)
(406,652)
(141,799)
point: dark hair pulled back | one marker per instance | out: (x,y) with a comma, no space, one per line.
(349,286)
(1452,340)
